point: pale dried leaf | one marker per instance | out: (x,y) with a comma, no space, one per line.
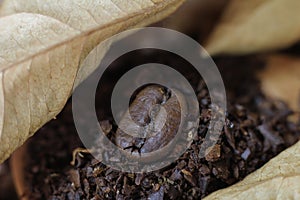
(281,79)
(278,179)
(42,46)
(256,25)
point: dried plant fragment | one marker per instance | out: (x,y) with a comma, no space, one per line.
(281,79)
(278,179)
(254,26)
(43,44)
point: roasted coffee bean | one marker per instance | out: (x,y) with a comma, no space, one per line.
(151,107)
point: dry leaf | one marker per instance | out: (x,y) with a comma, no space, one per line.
(42,46)
(281,79)
(256,25)
(278,179)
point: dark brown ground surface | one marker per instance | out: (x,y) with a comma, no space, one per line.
(256,130)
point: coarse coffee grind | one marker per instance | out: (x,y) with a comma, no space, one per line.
(256,129)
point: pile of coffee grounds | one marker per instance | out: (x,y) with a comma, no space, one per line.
(256,130)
